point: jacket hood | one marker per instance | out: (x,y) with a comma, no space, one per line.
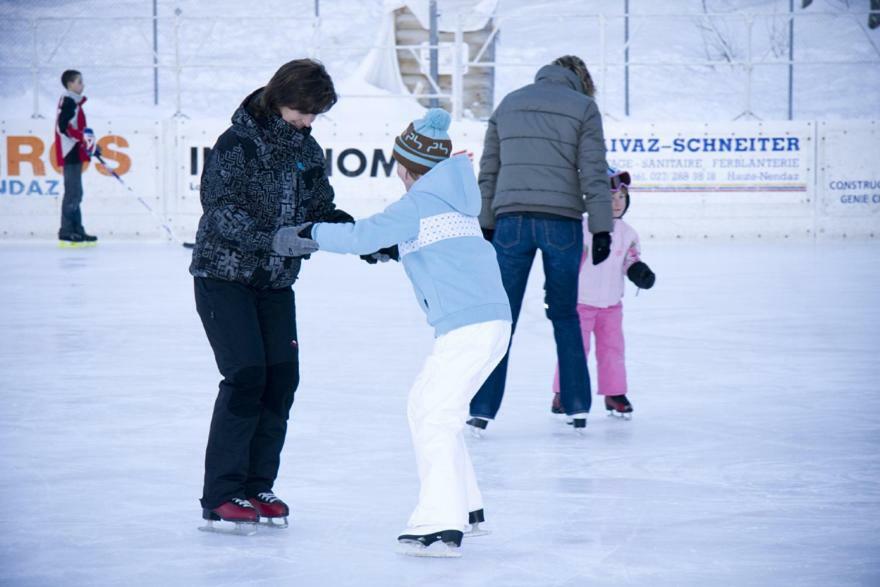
(454,182)
(271,128)
(557,74)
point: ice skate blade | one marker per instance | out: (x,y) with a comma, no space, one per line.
(620,415)
(435,550)
(240,528)
(76,245)
(475,530)
(272,523)
(475,432)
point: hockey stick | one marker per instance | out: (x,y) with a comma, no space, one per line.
(149,208)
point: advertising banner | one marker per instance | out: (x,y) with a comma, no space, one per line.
(849,178)
(700,180)
(32,182)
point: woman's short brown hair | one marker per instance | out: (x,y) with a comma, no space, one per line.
(577,65)
(301,84)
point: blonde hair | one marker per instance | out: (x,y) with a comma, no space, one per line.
(577,65)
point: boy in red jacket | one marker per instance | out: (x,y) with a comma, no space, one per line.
(72,147)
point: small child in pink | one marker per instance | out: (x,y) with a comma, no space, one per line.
(600,291)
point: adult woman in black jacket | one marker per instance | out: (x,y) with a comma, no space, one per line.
(263,181)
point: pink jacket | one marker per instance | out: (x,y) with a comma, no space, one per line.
(601,285)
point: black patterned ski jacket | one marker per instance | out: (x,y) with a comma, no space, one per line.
(262,174)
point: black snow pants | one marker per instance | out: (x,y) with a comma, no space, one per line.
(253,335)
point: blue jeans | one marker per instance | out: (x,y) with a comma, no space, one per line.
(517,238)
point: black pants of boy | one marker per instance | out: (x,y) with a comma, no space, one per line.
(253,335)
(71,215)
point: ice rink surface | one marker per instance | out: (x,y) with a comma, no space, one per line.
(753,457)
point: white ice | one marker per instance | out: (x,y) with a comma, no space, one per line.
(753,457)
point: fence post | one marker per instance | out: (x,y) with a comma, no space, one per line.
(626,59)
(457,71)
(433,40)
(155,53)
(178,113)
(790,59)
(35,70)
(747,113)
(316,32)
(603,69)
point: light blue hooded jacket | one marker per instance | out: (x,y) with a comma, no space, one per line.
(453,269)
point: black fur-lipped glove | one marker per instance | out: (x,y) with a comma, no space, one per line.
(382,255)
(641,275)
(488,233)
(338,216)
(601,247)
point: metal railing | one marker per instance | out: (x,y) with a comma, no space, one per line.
(46,36)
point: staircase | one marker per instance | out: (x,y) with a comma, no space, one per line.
(478,82)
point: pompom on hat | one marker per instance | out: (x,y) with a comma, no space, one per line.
(425,142)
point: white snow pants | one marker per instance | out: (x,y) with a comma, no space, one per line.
(437,410)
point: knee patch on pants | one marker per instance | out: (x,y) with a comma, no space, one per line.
(245,387)
(282,379)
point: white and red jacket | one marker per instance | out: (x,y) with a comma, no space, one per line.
(601,285)
(69,126)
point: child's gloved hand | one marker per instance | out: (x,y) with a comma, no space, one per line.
(382,255)
(601,247)
(641,275)
(294,241)
(91,142)
(338,216)
(488,233)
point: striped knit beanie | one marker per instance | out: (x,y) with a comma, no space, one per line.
(424,143)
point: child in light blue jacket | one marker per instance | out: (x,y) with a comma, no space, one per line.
(455,276)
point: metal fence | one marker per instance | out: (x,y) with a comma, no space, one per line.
(186,61)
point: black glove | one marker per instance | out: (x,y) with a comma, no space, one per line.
(338,216)
(488,233)
(382,255)
(601,247)
(641,275)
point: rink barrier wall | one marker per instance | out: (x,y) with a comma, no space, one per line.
(741,180)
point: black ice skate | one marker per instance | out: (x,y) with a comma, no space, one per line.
(579,422)
(475,518)
(238,511)
(618,406)
(477,426)
(443,544)
(74,240)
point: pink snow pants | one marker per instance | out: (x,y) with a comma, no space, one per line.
(607,325)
